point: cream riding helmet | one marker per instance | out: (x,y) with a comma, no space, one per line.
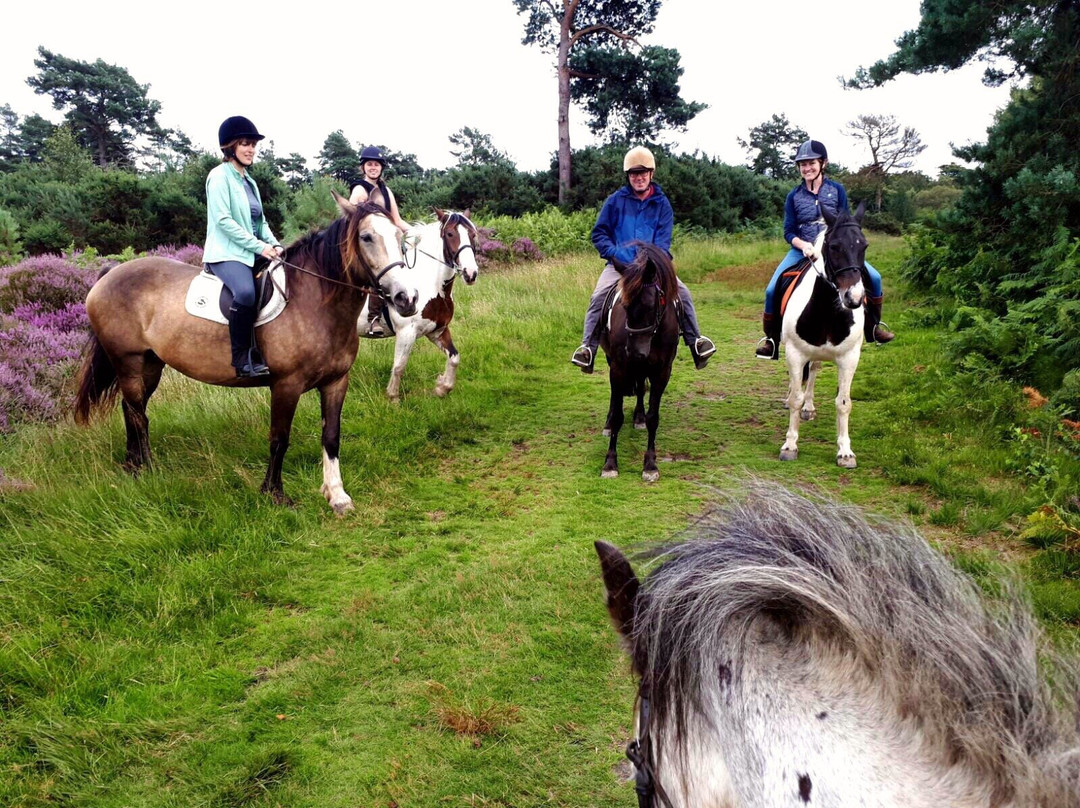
(638,157)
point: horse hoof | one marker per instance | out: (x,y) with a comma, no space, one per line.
(282,499)
(441,391)
(789,454)
(846,461)
(605,432)
(609,474)
(341,508)
(650,476)
(639,425)
(808,415)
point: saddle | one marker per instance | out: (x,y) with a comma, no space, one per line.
(206,289)
(789,280)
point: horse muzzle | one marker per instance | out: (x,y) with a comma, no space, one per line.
(404,302)
(853,296)
(470,276)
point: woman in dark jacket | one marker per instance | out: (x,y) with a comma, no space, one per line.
(803,223)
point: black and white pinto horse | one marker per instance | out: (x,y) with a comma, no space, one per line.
(792,653)
(435,254)
(823,321)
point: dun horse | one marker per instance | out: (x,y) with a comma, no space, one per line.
(640,343)
(823,320)
(793,653)
(440,251)
(139,325)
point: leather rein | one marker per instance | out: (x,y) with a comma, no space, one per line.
(640,753)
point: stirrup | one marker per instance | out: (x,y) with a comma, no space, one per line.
(584,357)
(761,344)
(884,325)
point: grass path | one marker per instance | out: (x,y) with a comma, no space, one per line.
(178,641)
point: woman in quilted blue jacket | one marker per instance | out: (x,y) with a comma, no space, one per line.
(803,223)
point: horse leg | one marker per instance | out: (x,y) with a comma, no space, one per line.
(283,400)
(845,371)
(795,363)
(332,396)
(614,424)
(639,409)
(650,473)
(445,382)
(139,377)
(809,411)
(403,345)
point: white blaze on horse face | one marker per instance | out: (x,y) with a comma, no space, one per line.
(467,256)
(402,297)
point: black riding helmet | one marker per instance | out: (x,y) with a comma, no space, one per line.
(235,128)
(812,150)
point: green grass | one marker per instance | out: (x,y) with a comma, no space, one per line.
(176,640)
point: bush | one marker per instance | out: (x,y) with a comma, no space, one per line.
(550,230)
(10,246)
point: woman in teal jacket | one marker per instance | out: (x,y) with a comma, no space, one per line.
(236,231)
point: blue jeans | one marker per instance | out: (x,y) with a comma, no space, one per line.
(240,280)
(791,259)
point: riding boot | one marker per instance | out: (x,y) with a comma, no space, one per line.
(242,336)
(376,310)
(873,329)
(769,347)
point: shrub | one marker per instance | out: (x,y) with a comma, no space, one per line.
(52,281)
(10,246)
(550,230)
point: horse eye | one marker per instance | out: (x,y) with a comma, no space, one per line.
(365,237)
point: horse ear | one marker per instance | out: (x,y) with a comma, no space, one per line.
(830,220)
(467,213)
(440,214)
(622,587)
(347,207)
(860,212)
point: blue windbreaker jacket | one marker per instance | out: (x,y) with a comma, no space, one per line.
(625,219)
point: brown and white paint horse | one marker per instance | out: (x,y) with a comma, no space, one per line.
(436,253)
(139,325)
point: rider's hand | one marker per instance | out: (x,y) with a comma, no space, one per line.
(808,251)
(271,251)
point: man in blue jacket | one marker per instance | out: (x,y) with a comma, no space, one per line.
(638,211)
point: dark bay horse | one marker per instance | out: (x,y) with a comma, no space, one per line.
(792,653)
(823,320)
(139,325)
(640,343)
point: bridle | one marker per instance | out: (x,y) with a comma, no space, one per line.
(661,307)
(449,260)
(362,287)
(639,751)
(831,273)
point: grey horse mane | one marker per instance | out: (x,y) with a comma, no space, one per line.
(973,671)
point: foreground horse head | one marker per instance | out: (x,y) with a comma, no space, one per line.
(460,237)
(366,250)
(844,254)
(793,653)
(139,325)
(640,344)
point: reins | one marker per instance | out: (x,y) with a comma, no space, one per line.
(357,287)
(639,752)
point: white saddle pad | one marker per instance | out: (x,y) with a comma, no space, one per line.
(205,291)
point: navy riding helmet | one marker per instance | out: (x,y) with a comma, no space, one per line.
(235,128)
(812,150)
(372,153)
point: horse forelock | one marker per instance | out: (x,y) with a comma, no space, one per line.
(635,273)
(821,576)
(318,252)
(352,259)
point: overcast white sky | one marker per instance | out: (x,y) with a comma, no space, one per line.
(409,73)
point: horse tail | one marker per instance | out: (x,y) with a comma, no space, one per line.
(98,383)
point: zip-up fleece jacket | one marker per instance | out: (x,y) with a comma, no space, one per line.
(229,232)
(625,218)
(802,209)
